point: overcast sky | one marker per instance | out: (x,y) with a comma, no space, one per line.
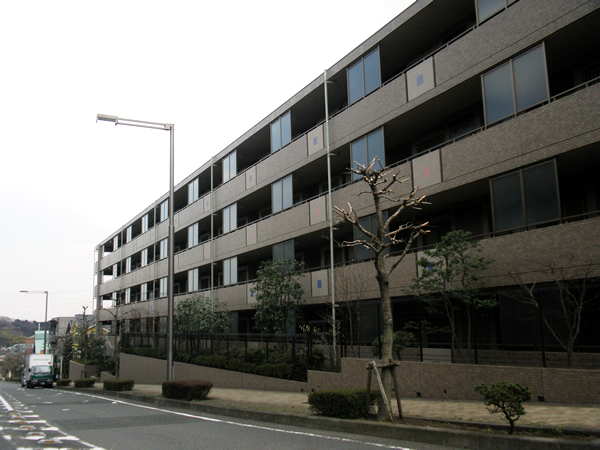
(214,69)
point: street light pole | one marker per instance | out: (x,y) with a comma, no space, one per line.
(171,263)
(45,316)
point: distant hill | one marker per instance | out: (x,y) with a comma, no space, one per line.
(15,331)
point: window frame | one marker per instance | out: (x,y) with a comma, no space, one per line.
(283,182)
(280,140)
(231,171)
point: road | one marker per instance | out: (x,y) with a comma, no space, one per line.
(52,418)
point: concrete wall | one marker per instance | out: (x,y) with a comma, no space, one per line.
(457,381)
(427,380)
(153,371)
(76,371)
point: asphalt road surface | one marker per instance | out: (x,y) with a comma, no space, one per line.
(52,418)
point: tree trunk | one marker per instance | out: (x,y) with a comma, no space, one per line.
(387,355)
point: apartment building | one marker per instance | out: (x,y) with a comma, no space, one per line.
(490,107)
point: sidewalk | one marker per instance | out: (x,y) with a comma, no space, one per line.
(555,416)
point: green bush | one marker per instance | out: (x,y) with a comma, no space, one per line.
(85,383)
(186,389)
(506,399)
(343,403)
(118,385)
(63,382)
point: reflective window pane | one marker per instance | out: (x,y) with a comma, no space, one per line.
(530,79)
(288,193)
(277,252)
(372,75)
(498,94)
(355,82)
(226,169)
(288,249)
(508,204)
(275,136)
(276,197)
(226,272)
(226,222)
(286,129)
(541,195)
(375,147)
(358,153)
(487,8)
(233,164)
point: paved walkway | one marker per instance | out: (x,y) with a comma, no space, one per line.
(557,416)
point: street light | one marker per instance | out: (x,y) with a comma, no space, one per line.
(46,316)
(171,264)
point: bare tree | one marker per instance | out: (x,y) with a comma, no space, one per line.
(575,285)
(380,183)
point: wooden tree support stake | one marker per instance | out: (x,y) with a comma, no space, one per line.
(373,367)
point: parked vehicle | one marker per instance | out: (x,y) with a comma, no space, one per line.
(38,371)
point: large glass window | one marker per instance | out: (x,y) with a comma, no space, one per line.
(193,191)
(230,166)
(363,150)
(145,223)
(128,265)
(364,77)
(116,242)
(526,197)
(164,248)
(230,273)
(193,278)
(487,8)
(282,194)
(164,210)
(127,295)
(193,235)
(163,286)
(230,218)
(128,234)
(369,223)
(284,250)
(144,257)
(281,132)
(516,85)
(144,292)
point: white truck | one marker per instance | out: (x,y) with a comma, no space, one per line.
(38,371)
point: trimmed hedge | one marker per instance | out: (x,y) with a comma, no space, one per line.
(63,382)
(186,389)
(118,385)
(342,403)
(85,383)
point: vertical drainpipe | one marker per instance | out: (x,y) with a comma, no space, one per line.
(212,236)
(330,213)
(171,263)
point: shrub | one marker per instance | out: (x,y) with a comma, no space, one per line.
(85,383)
(506,399)
(118,385)
(186,389)
(342,403)
(63,382)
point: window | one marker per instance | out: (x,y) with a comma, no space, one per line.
(230,271)
(370,224)
(230,166)
(193,277)
(115,270)
(230,218)
(364,77)
(487,8)
(128,265)
(144,257)
(282,195)
(129,234)
(526,197)
(281,132)
(193,231)
(145,223)
(144,292)
(363,150)
(515,86)
(193,191)
(164,248)
(127,295)
(116,242)
(164,210)
(163,287)
(284,250)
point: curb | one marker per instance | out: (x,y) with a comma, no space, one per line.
(423,435)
